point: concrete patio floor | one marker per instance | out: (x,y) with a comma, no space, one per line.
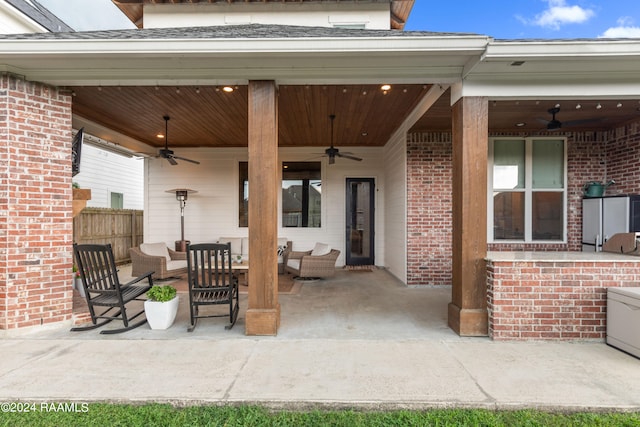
(359,340)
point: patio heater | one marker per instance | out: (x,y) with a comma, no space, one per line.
(181,196)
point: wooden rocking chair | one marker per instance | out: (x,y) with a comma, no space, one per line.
(211,281)
(102,288)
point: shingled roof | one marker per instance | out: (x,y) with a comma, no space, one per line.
(40,14)
(248,31)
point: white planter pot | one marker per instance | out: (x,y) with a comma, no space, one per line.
(161,315)
(77,284)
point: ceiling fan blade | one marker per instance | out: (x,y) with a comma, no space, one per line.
(580,122)
(171,160)
(186,160)
(349,156)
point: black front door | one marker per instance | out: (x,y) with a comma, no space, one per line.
(360,221)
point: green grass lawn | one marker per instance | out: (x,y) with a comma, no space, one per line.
(166,415)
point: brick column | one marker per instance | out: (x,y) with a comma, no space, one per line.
(36,224)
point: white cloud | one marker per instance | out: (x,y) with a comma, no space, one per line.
(559,13)
(625,29)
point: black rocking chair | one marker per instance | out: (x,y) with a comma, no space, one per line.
(211,281)
(102,288)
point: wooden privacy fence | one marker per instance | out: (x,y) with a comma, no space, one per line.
(123,228)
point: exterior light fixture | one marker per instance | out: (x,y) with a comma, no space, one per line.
(181,196)
(619,105)
(599,106)
(578,106)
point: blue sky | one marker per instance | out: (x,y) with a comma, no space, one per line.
(502,19)
(529,19)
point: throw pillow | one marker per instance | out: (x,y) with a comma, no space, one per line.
(320,249)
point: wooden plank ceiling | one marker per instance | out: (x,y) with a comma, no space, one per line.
(365,114)
(210,117)
(530,117)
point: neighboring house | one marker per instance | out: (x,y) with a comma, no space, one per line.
(114,176)
(472,179)
(115,180)
(28,16)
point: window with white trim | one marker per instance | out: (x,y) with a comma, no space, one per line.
(527,188)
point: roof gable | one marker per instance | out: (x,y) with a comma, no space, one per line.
(399,9)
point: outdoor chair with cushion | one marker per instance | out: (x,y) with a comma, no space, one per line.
(157,257)
(211,282)
(320,262)
(106,297)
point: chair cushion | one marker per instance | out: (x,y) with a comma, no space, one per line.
(294,263)
(176,264)
(156,249)
(320,249)
(236,244)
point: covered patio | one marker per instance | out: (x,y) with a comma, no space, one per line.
(450,90)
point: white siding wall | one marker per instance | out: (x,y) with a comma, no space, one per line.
(369,15)
(213,211)
(395,239)
(105,172)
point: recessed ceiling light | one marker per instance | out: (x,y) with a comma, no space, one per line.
(227,89)
(520,124)
(160,135)
(385,87)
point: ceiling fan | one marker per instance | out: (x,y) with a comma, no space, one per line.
(555,124)
(165,153)
(333,152)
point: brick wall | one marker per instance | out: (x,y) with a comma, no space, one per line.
(591,156)
(623,159)
(538,300)
(35,204)
(429,209)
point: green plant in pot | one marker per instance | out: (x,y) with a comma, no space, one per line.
(161,306)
